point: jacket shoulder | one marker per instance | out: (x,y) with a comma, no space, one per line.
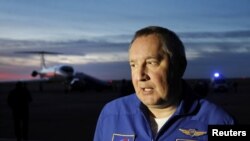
(123,105)
(214,113)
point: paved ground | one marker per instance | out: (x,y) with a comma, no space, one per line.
(56,116)
(236,103)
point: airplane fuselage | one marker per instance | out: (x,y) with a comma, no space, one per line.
(53,72)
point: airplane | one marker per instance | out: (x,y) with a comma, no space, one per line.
(56,72)
(73,81)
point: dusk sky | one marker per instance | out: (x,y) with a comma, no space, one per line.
(93,36)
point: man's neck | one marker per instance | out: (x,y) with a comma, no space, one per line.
(162,112)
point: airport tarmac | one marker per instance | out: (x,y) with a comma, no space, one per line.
(59,116)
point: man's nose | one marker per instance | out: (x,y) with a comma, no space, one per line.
(142,73)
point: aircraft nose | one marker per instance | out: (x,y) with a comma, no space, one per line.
(67,69)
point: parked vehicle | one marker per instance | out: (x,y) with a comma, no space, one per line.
(219,83)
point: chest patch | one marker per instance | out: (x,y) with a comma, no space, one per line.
(123,137)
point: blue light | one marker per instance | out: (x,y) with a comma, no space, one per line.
(216,75)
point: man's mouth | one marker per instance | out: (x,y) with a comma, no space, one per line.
(147,90)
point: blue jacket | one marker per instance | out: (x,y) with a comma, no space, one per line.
(126,119)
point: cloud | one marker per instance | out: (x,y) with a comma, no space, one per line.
(105,57)
(17,61)
(205,52)
(216,37)
(78,52)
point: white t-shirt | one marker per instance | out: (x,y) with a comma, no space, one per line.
(157,123)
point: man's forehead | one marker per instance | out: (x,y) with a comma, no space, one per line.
(147,55)
(146,42)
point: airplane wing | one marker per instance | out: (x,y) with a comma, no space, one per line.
(82,81)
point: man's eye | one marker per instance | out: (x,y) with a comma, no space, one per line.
(132,65)
(152,62)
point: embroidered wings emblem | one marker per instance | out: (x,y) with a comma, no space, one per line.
(192,132)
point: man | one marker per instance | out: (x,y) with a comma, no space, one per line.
(163,107)
(19,99)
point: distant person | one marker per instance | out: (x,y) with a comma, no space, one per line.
(164,107)
(19,99)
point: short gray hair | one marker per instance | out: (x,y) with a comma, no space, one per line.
(172,45)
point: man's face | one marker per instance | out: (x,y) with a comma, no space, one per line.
(149,68)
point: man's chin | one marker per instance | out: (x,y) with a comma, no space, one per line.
(151,104)
(158,105)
